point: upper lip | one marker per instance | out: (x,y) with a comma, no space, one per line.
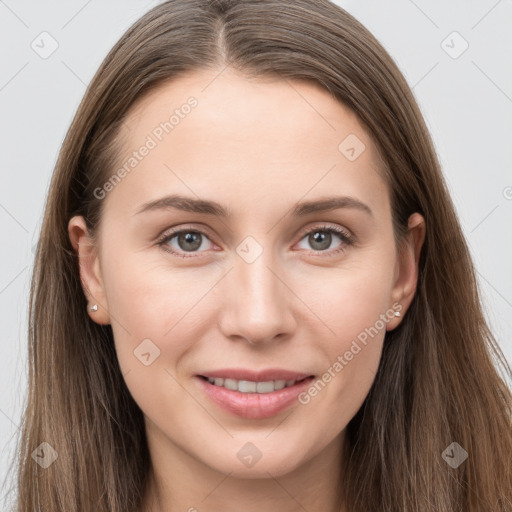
(255,376)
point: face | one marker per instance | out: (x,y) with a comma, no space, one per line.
(260,290)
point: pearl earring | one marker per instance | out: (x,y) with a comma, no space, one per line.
(94,307)
(397,313)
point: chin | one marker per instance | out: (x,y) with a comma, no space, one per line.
(248,462)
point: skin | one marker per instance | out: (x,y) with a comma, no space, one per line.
(257,147)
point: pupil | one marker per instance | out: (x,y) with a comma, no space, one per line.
(323,238)
(190,238)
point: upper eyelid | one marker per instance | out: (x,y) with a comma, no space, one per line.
(178,229)
(326,226)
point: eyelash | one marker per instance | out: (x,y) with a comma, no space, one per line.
(346,237)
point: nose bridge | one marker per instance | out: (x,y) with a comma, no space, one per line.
(257,308)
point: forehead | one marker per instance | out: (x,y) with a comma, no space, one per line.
(248,139)
(231,106)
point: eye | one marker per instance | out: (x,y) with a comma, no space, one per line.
(321,237)
(187,240)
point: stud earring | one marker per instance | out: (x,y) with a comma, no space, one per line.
(93,308)
(397,313)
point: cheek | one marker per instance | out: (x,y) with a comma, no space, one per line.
(351,298)
(352,360)
(357,315)
(152,316)
(148,302)
(354,305)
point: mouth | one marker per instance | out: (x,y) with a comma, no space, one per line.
(257,397)
(249,386)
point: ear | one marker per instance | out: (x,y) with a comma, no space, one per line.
(406,270)
(90,272)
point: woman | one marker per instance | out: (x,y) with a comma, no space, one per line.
(321,343)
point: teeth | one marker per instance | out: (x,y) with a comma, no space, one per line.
(265,387)
(231,384)
(247,386)
(279,384)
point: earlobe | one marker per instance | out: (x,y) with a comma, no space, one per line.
(408,264)
(90,271)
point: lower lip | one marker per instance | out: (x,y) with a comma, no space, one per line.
(254,405)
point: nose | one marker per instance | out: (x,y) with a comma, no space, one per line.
(257,305)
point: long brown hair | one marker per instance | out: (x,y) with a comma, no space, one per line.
(439,378)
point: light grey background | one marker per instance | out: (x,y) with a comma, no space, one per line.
(466,100)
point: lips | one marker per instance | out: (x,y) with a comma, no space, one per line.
(253,394)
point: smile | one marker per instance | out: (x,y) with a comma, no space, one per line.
(253,395)
(247,386)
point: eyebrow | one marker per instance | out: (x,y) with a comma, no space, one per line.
(189,204)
